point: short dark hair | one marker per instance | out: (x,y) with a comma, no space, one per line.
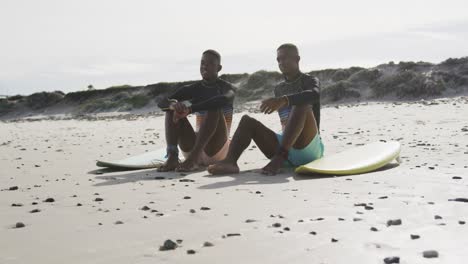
(214,53)
(289,46)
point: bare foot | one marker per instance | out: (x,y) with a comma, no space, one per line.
(187,166)
(223,167)
(273,166)
(170,165)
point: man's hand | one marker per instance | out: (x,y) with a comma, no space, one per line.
(180,111)
(271,105)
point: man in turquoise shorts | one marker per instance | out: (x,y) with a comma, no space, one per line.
(297,100)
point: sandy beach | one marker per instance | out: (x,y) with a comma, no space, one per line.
(75,213)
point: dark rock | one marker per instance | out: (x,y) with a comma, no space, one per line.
(78,204)
(461,222)
(19,225)
(186,180)
(250,220)
(437,217)
(145,208)
(286,229)
(430,254)
(179,241)
(13,188)
(35,211)
(159,178)
(414,236)
(98,199)
(168,245)
(192,211)
(17,204)
(356,219)
(232,234)
(313,233)
(334,240)
(394,222)
(368,207)
(276,225)
(205,208)
(383,197)
(456,177)
(187,197)
(118,222)
(463,200)
(391,260)
(374,229)
(49,200)
(191,251)
(258,192)
(208,244)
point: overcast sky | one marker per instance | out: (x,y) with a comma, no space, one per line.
(66,45)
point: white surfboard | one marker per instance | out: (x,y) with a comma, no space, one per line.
(356,160)
(152,159)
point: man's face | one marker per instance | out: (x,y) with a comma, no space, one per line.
(288,60)
(209,66)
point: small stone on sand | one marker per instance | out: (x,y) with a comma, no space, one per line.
(430,254)
(391,260)
(168,245)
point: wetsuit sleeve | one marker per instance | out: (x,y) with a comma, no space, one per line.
(215,102)
(310,93)
(181,94)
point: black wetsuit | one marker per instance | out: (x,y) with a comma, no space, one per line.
(305,90)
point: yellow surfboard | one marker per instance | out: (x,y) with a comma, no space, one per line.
(356,160)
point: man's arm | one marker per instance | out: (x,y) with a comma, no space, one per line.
(181,94)
(215,102)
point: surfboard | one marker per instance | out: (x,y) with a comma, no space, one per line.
(152,159)
(357,160)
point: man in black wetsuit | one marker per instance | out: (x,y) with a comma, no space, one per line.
(211,99)
(297,100)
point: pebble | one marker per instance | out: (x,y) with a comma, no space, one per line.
(208,244)
(98,199)
(394,222)
(17,204)
(168,245)
(35,211)
(463,200)
(461,222)
(391,260)
(414,236)
(205,208)
(232,234)
(374,229)
(118,222)
(437,217)
(430,254)
(313,233)
(191,251)
(187,197)
(78,204)
(145,208)
(333,240)
(13,188)
(250,220)
(49,200)
(19,225)
(192,211)
(276,225)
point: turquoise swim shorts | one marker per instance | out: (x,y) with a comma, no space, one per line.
(311,152)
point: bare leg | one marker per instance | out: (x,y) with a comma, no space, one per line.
(298,133)
(211,138)
(180,133)
(248,129)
